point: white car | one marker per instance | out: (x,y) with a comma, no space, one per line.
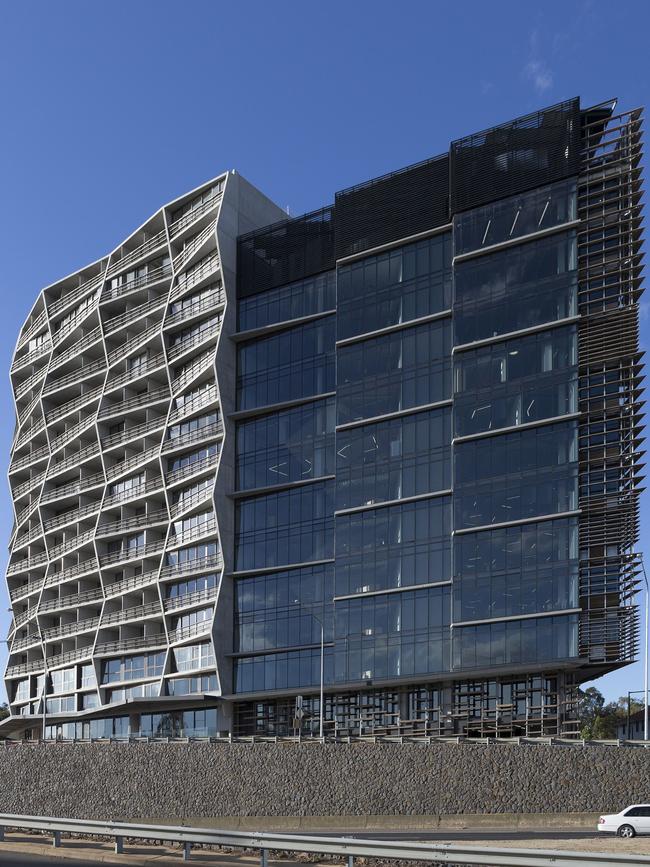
(628,823)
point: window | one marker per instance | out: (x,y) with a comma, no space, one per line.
(315,294)
(132,667)
(64,680)
(394,546)
(190,459)
(292,364)
(199,584)
(190,685)
(393,459)
(394,287)
(406,368)
(288,446)
(193,656)
(293,526)
(126,485)
(192,553)
(287,670)
(206,423)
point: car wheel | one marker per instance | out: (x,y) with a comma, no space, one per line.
(626,831)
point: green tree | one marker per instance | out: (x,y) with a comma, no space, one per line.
(4,710)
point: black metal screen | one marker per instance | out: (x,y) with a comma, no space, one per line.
(285,252)
(528,152)
(394,206)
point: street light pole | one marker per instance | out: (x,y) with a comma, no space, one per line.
(645,654)
(322,675)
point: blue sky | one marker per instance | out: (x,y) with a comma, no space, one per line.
(110,109)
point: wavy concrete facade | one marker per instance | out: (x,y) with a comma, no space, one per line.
(116,570)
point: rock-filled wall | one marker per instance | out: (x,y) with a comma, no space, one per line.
(177,781)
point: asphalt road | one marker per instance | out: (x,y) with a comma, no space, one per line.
(40,861)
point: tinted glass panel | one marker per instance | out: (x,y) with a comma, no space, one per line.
(288,446)
(292,526)
(288,365)
(406,368)
(516,381)
(303,298)
(390,460)
(394,286)
(517,475)
(283,609)
(394,546)
(516,288)
(515,642)
(516,216)
(394,635)
(297,668)
(516,570)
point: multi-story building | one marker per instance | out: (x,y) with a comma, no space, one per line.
(388,451)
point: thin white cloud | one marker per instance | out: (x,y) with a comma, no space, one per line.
(541,76)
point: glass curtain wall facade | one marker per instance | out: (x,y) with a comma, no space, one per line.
(395,441)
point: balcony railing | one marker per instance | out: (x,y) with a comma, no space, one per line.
(188,600)
(29,434)
(188,218)
(69,656)
(73,460)
(126,585)
(195,275)
(133,433)
(76,376)
(126,554)
(38,454)
(137,522)
(201,363)
(132,461)
(199,434)
(24,668)
(31,330)
(206,528)
(26,590)
(29,563)
(120,352)
(70,434)
(198,339)
(74,322)
(144,249)
(71,544)
(193,245)
(207,303)
(138,612)
(77,348)
(76,294)
(155,484)
(74,600)
(72,488)
(57,412)
(24,617)
(72,516)
(24,414)
(204,628)
(193,469)
(130,316)
(27,538)
(155,362)
(149,279)
(86,568)
(141,643)
(23,387)
(26,487)
(56,632)
(203,495)
(23,643)
(191,567)
(22,516)
(189,407)
(139,400)
(30,357)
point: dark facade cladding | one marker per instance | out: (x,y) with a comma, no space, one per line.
(438,439)
(396,440)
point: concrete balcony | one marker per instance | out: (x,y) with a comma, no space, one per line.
(57,632)
(138,612)
(192,216)
(151,245)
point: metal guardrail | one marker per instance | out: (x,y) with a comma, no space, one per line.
(346,847)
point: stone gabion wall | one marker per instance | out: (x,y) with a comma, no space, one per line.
(181,781)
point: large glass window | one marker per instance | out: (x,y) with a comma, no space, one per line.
(517,475)
(283,609)
(293,526)
(406,368)
(395,286)
(516,570)
(392,635)
(315,294)
(288,446)
(516,642)
(516,216)
(394,546)
(394,459)
(516,381)
(132,667)
(516,288)
(293,669)
(288,365)
(193,656)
